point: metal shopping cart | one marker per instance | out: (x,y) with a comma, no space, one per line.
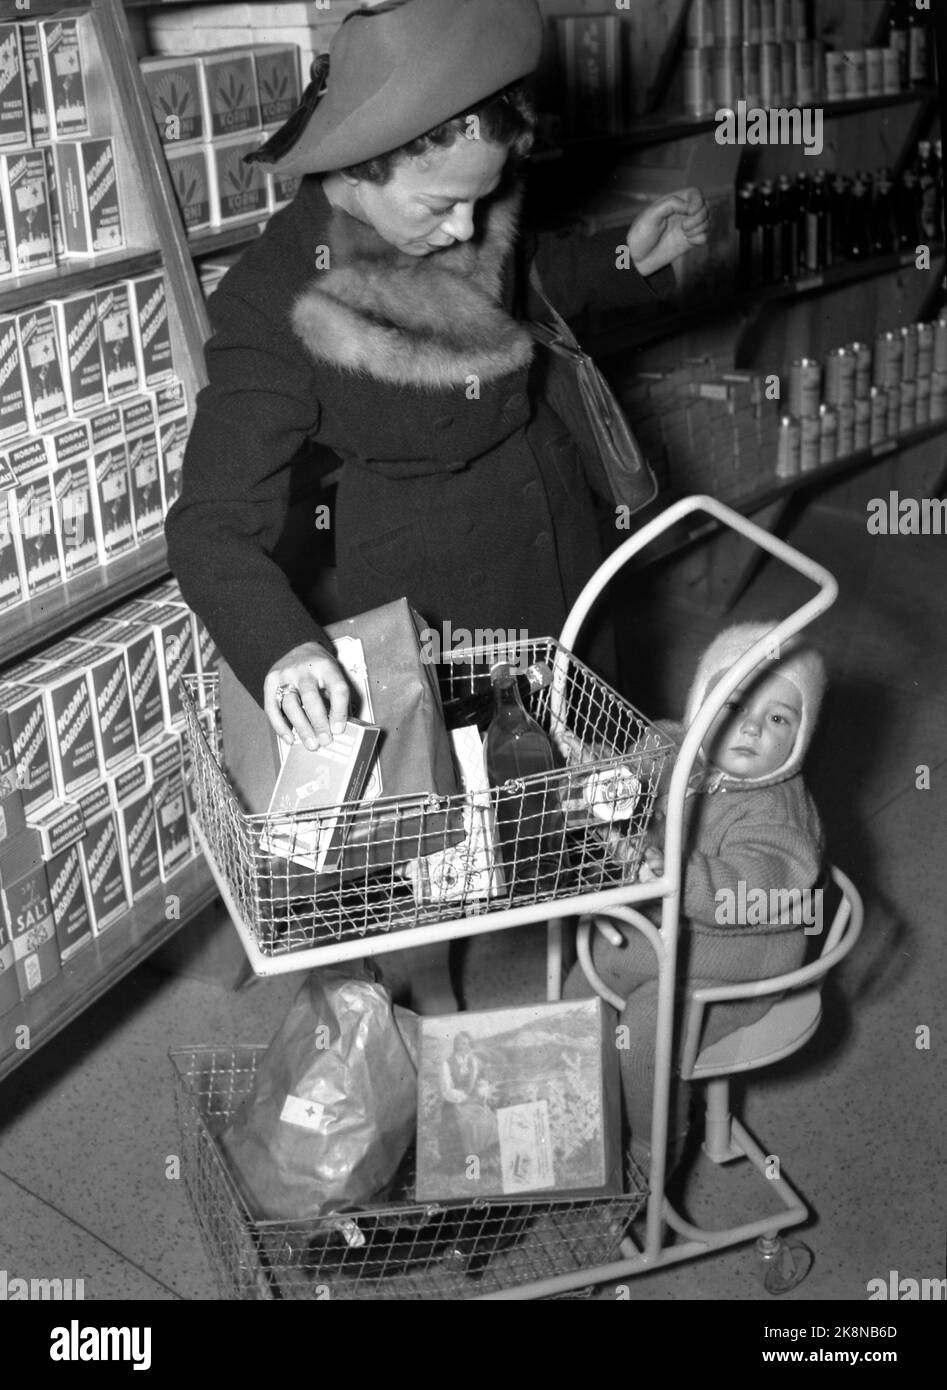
(421,871)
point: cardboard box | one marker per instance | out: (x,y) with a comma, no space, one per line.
(37,100)
(64,72)
(55,208)
(170,400)
(229,93)
(67,895)
(118,342)
(277,77)
(175,642)
(172,441)
(237,190)
(9,985)
(12,591)
(518,1102)
(103,873)
(111,703)
(162,757)
(25,193)
(26,906)
(106,426)
(37,520)
(59,825)
(14,115)
(42,367)
(75,750)
(145,475)
(94,802)
(89,201)
(77,319)
(174,90)
(173,830)
(72,488)
(152,330)
(6,254)
(142,663)
(12,815)
(127,781)
(138,832)
(111,502)
(190,176)
(14,414)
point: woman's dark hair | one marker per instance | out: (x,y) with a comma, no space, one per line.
(506,118)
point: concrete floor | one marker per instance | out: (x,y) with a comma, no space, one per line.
(87,1126)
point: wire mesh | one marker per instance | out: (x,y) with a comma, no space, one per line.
(403,862)
(399,1250)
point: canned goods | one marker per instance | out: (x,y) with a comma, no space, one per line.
(788,447)
(771,86)
(805,88)
(834,75)
(810,432)
(893,415)
(889,351)
(798,28)
(828,434)
(922,411)
(878,426)
(846,430)
(698,82)
(856,72)
(938,395)
(751,21)
(940,344)
(752,91)
(907,406)
(768,31)
(728,74)
(908,336)
(840,377)
(787,69)
(805,388)
(862,410)
(700,24)
(728,22)
(862,355)
(874,72)
(890,71)
(924,333)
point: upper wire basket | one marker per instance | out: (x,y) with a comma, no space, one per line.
(412,861)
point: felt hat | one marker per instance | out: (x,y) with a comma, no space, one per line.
(797,662)
(401,68)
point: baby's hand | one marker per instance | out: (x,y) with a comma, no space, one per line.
(653,866)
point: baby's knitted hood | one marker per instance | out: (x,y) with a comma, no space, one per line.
(798,663)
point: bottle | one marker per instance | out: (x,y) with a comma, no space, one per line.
(816,224)
(825,219)
(898,38)
(884,232)
(529,818)
(908,205)
(919,48)
(769,260)
(789,266)
(939,187)
(476,707)
(860,242)
(927,180)
(802,203)
(841,197)
(750,235)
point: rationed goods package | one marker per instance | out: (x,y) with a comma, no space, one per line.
(87,193)
(230,95)
(190,178)
(64,71)
(27,912)
(42,367)
(174,90)
(24,192)
(237,189)
(14,114)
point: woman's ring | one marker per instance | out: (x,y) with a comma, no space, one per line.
(283,690)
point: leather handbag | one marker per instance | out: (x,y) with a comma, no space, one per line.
(614,465)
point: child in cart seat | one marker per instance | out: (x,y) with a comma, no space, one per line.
(749,825)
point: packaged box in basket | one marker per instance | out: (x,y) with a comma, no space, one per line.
(237,190)
(277,76)
(9,985)
(37,100)
(174,90)
(138,831)
(14,115)
(12,591)
(111,703)
(67,895)
(141,433)
(64,70)
(111,502)
(42,367)
(103,873)
(26,194)
(26,906)
(590,57)
(75,750)
(191,181)
(37,520)
(231,98)
(14,415)
(518,1102)
(142,661)
(89,201)
(174,832)
(77,319)
(149,301)
(119,360)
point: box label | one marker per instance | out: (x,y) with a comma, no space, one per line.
(145,685)
(277,74)
(67,895)
(233,103)
(118,343)
(106,427)
(42,365)
(153,330)
(42,557)
(82,352)
(77,760)
(64,71)
(191,186)
(145,485)
(140,843)
(172,441)
(174,836)
(104,876)
(35,85)
(112,707)
(73,487)
(30,227)
(114,502)
(101,189)
(241,188)
(14,117)
(174,90)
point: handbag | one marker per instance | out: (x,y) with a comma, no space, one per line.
(614,465)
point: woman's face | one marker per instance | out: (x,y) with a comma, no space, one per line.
(428,204)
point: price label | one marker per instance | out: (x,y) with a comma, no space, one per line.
(887,446)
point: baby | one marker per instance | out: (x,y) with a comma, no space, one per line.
(749,825)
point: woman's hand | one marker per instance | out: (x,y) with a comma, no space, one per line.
(295,692)
(667,229)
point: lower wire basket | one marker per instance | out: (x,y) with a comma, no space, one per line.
(400,1250)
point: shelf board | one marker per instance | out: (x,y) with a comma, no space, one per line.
(73,277)
(218,239)
(42,619)
(100,964)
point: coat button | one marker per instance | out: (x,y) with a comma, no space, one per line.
(443,422)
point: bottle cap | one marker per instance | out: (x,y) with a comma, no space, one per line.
(539,675)
(500,671)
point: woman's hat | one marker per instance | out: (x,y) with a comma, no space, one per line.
(400,69)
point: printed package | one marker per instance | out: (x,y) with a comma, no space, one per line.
(141,435)
(119,360)
(175,644)
(6,255)
(12,591)
(63,69)
(277,75)
(103,872)
(76,758)
(14,115)
(174,833)
(111,703)
(42,367)
(67,895)
(59,825)
(190,177)
(9,985)
(36,97)
(143,662)
(77,319)
(237,190)
(36,519)
(151,329)
(111,502)
(138,834)
(14,415)
(72,488)
(55,210)
(174,90)
(171,409)
(26,909)
(89,204)
(229,93)
(25,193)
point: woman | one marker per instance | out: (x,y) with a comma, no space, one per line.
(468,1125)
(371,317)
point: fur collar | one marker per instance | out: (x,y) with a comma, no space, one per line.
(430,321)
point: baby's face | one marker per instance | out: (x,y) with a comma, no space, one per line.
(756,730)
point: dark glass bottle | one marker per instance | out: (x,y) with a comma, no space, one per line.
(939,187)
(769,261)
(898,38)
(927,180)
(802,204)
(529,818)
(825,219)
(750,235)
(919,47)
(789,240)
(860,244)
(476,707)
(884,230)
(841,196)
(909,222)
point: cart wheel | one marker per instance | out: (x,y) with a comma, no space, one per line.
(783,1263)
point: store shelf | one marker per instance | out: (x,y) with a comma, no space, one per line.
(73,277)
(99,965)
(224,238)
(44,618)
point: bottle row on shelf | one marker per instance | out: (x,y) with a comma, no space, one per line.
(94,795)
(790,227)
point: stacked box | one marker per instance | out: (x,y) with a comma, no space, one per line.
(9,985)
(11,577)
(37,519)
(42,367)
(277,76)
(55,207)
(64,70)
(89,203)
(36,96)
(237,190)
(72,490)
(175,639)
(78,323)
(174,90)
(14,113)
(173,427)
(171,818)
(12,815)
(58,825)
(67,895)
(229,93)
(117,338)
(14,413)
(111,501)
(141,438)
(138,833)
(143,661)
(152,330)
(25,193)
(111,703)
(27,910)
(190,176)
(103,873)
(77,761)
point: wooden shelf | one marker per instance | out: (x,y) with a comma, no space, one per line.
(44,618)
(217,239)
(104,961)
(73,277)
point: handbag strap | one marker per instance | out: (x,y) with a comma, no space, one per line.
(562,328)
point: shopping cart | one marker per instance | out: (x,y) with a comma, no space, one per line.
(526,1250)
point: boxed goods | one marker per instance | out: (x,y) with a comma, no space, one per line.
(151,329)
(25,193)
(11,579)
(42,367)
(89,203)
(76,759)
(59,825)
(77,319)
(36,519)
(229,92)
(111,501)
(103,874)
(174,832)
(12,818)
(518,1102)
(6,261)
(67,895)
(142,661)
(9,985)
(118,342)
(72,488)
(174,90)
(25,906)
(36,97)
(55,210)
(138,833)
(111,703)
(64,71)
(237,190)
(190,177)
(14,116)
(171,410)
(14,415)
(277,75)
(175,644)
(142,439)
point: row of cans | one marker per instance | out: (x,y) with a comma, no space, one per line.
(914,353)
(793,72)
(745,21)
(836,431)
